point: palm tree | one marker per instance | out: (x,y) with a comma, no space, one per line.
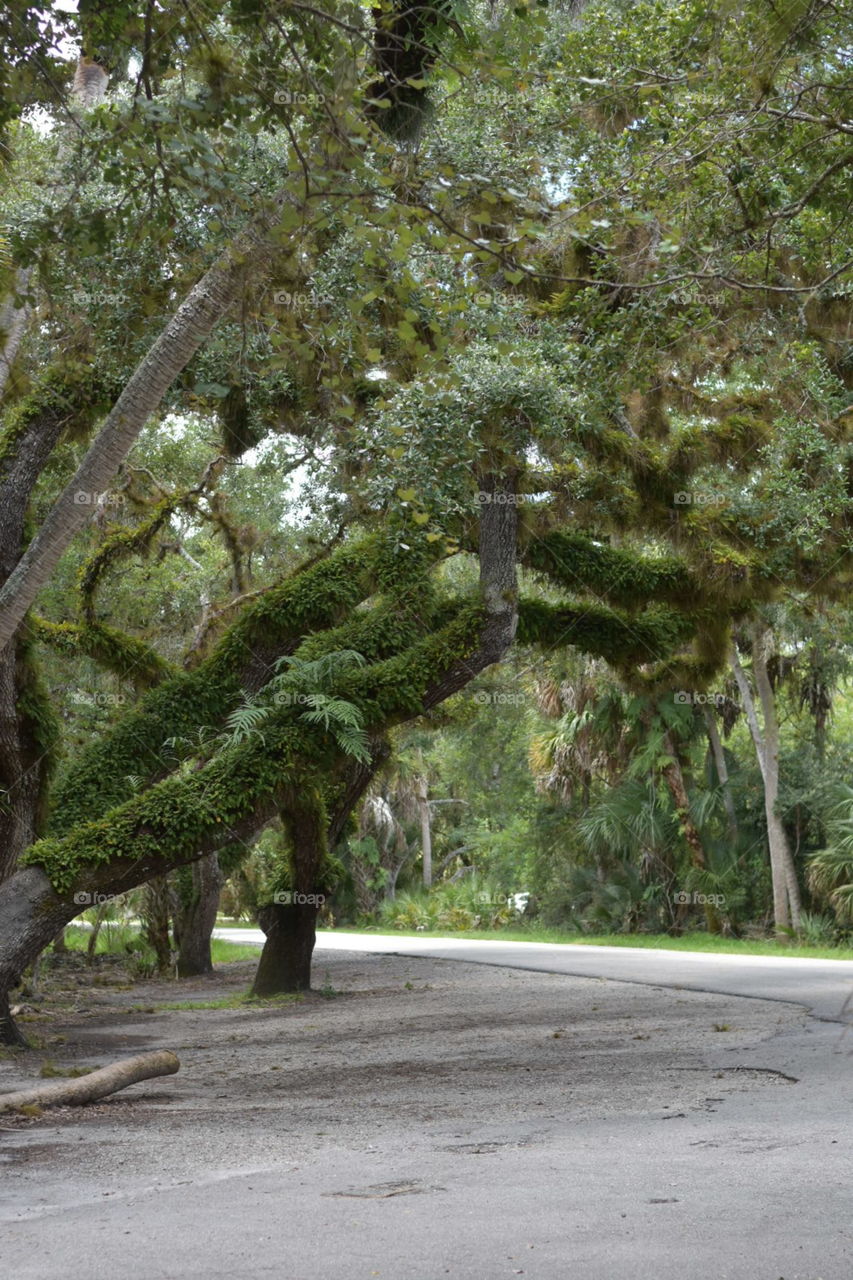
(830,873)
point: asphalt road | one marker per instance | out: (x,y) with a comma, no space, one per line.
(821,986)
(751,1185)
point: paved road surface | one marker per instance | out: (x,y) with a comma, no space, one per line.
(822,986)
(754,1186)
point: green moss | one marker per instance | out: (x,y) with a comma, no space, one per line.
(69,390)
(312,601)
(183,812)
(621,577)
(624,642)
(126,656)
(39,727)
(135,541)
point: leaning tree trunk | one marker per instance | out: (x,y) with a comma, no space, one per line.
(204,306)
(31,914)
(188,824)
(196,918)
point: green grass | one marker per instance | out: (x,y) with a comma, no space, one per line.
(222,952)
(662,941)
(115,938)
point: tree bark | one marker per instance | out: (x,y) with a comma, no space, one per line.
(290,923)
(95,1085)
(197,918)
(285,964)
(10,1032)
(24,760)
(31,914)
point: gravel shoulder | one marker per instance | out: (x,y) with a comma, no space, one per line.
(422,1117)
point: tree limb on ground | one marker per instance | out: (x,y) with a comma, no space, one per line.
(97,1084)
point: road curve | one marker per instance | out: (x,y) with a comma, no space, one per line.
(821,986)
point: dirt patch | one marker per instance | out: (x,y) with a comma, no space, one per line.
(468,1058)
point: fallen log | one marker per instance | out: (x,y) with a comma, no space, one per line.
(95,1085)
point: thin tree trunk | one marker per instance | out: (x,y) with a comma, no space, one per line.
(780,850)
(422,793)
(197,918)
(157,916)
(719,757)
(777,841)
(674,778)
(95,933)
